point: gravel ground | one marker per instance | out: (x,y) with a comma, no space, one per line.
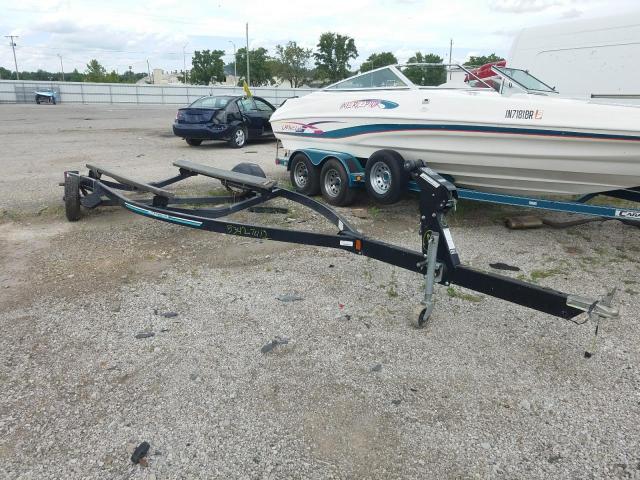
(337,383)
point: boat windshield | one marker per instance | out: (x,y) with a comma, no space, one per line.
(381,78)
(524,79)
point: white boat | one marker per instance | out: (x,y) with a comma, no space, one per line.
(512,136)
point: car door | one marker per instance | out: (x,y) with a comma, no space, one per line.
(253,118)
(266,110)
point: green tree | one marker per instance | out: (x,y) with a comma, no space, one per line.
(426,75)
(292,62)
(130,77)
(482,60)
(261,67)
(95,72)
(112,77)
(74,76)
(377,60)
(207,67)
(333,56)
(6,74)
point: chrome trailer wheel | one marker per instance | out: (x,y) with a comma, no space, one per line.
(334,183)
(381,178)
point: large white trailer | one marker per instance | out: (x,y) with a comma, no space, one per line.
(597,59)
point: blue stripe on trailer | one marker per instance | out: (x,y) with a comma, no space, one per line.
(162,216)
(556,205)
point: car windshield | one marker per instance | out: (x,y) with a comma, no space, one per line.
(211,102)
(524,79)
(383,78)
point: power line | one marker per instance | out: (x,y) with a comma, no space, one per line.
(13,47)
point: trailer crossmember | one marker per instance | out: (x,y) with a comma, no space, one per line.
(438,261)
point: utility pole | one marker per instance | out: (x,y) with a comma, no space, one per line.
(248,75)
(450,53)
(149,71)
(61,67)
(184,62)
(13,46)
(235,64)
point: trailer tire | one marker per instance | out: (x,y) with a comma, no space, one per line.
(385,178)
(304,175)
(72,198)
(249,168)
(423,318)
(334,184)
(194,142)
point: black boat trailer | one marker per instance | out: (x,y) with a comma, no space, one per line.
(438,261)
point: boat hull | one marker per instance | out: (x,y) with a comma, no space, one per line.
(521,159)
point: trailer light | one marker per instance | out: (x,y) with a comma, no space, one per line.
(358,245)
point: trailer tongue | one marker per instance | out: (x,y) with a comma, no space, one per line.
(438,262)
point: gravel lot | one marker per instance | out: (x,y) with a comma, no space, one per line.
(487,390)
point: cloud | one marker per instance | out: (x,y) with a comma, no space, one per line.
(523,6)
(120,32)
(57,25)
(573,13)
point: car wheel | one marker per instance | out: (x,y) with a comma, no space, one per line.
(385,178)
(194,142)
(334,184)
(305,176)
(238,137)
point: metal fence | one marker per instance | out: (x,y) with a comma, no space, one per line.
(18,91)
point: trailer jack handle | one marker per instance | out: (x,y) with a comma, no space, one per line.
(596,311)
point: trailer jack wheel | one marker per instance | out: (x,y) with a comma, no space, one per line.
(72,197)
(423,316)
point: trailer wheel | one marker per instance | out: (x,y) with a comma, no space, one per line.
(385,177)
(423,318)
(194,142)
(248,169)
(72,198)
(305,176)
(334,184)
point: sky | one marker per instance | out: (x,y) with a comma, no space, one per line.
(121,33)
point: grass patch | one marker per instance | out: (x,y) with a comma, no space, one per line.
(468,297)
(540,274)
(392,292)
(374,212)
(218,192)
(286,184)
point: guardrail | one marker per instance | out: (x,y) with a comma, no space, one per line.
(19,91)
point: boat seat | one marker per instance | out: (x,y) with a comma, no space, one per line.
(236,178)
(140,186)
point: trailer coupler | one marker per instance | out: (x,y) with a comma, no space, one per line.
(438,261)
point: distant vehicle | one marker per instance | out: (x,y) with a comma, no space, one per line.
(235,119)
(45,96)
(594,59)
